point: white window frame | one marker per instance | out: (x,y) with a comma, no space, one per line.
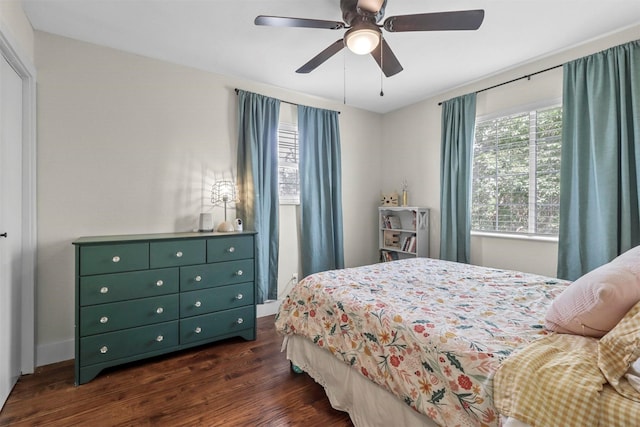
(532,110)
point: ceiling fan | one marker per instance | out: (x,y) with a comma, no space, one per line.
(364,34)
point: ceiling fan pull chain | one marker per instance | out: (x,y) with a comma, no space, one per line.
(381,64)
(344,78)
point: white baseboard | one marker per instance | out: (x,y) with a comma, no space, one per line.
(268,308)
(55,352)
(64,350)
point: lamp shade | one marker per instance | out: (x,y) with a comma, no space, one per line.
(362,40)
(223,192)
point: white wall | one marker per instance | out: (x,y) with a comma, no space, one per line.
(127,144)
(412,134)
(15,23)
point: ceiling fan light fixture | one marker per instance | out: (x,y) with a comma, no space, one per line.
(362,41)
(371,6)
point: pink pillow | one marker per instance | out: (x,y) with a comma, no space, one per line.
(630,260)
(596,302)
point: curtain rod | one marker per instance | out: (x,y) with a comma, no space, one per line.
(526,76)
(286,102)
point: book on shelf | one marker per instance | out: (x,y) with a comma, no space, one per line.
(409,244)
(392,221)
(404,243)
(388,256)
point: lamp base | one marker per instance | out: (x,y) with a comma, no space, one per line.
(225,227)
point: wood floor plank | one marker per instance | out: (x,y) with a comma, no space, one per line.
(230,383)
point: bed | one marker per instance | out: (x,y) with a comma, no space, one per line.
(430,334)
(417,342)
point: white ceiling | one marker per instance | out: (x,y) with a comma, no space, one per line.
(219,36)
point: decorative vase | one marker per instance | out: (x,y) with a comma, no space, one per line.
(405,197)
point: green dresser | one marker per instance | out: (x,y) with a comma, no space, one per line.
(140,296)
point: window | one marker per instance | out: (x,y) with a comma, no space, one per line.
(516,173)
(288,158)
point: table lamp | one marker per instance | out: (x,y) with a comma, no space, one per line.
(224,192)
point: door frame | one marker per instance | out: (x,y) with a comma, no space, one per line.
(26,70)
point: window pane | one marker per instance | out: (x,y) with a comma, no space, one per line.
(515,156)
(288,158)
(548,145)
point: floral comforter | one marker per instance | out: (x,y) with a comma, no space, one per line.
(431,332)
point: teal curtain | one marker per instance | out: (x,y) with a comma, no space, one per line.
(599,178)
(321,241)
(456,155)
(258,184)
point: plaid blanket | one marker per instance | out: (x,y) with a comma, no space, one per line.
(556,381)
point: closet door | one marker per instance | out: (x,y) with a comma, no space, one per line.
(10,227)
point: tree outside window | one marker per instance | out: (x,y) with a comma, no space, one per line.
(516,173)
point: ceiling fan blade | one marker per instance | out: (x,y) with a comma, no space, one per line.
(388,61)
(320,58)
(438,21)
(283,21)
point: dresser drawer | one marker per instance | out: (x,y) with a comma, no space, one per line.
(113,258)
(207,326)
(177,252)
(229,248)
(122,286)
(129,342)
(214,299)
(217,274)
(97,319)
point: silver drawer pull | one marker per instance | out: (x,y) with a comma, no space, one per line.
(197,330)
(239,273)
(198,304)
(239,296)
(231,250)
(104,319)
(159,338)
(115,259)
(159,310)
(159,283)
(240,321)
(104,290)
(179,254)
(198,278)
(104,349)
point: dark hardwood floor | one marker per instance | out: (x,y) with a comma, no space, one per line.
(231,383)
